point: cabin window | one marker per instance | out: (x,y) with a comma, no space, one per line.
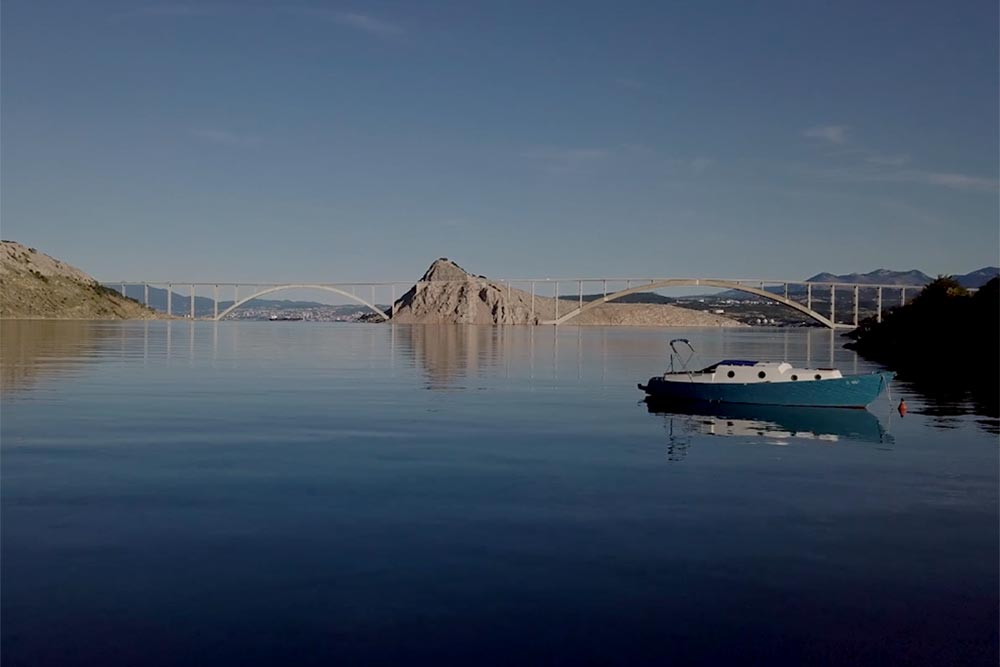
(730,374)
(818,376)
(762,375)
(794,378)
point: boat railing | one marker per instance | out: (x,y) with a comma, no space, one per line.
(678,357)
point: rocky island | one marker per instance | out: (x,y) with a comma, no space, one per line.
(448,294)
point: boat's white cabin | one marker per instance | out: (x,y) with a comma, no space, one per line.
(737,371)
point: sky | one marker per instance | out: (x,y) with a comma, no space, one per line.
(325,141)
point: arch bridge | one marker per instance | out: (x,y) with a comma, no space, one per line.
(702,282)
(777,291)
(278,288)
(199,305)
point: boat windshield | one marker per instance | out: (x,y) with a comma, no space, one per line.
(728,362)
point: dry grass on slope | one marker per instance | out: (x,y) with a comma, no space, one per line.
(34,285)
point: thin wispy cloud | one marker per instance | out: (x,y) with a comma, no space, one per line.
(834,134)
(911,214)
(458,223)
(945,180)
(700,165)
(867,173)
(559,160)
(174,10)
(637,149)
(226,138)
(887,160)
(680,169)
(629,83)
(623,157)
(877,167)
(367,23)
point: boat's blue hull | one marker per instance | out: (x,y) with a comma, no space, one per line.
(854,391)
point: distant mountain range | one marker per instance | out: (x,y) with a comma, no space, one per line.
(876,277)
(913,277)
(978,278)
(973,279)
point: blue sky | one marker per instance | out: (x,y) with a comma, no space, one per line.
(327,141)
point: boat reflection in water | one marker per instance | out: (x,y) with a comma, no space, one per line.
(771,424)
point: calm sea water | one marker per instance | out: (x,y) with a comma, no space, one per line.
(292,493)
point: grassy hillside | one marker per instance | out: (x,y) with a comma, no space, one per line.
(34,285)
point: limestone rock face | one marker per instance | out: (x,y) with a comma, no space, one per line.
(444,269)
(34,285)
(448,294)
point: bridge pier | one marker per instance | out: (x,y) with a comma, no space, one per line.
(878,315)
(145,294)
(855,305)
(532,301)
(833,304)
(170,298)
(557,299)
(192,302)
(215,303)
(809,296)
(902,296)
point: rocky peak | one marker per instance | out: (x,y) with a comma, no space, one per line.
(445,269)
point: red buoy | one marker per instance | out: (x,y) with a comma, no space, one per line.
(902,408)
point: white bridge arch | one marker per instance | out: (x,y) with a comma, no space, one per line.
(329,288)
(696,282)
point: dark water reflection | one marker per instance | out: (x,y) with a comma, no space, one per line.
(292,493)
(947,402)
(769,424)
